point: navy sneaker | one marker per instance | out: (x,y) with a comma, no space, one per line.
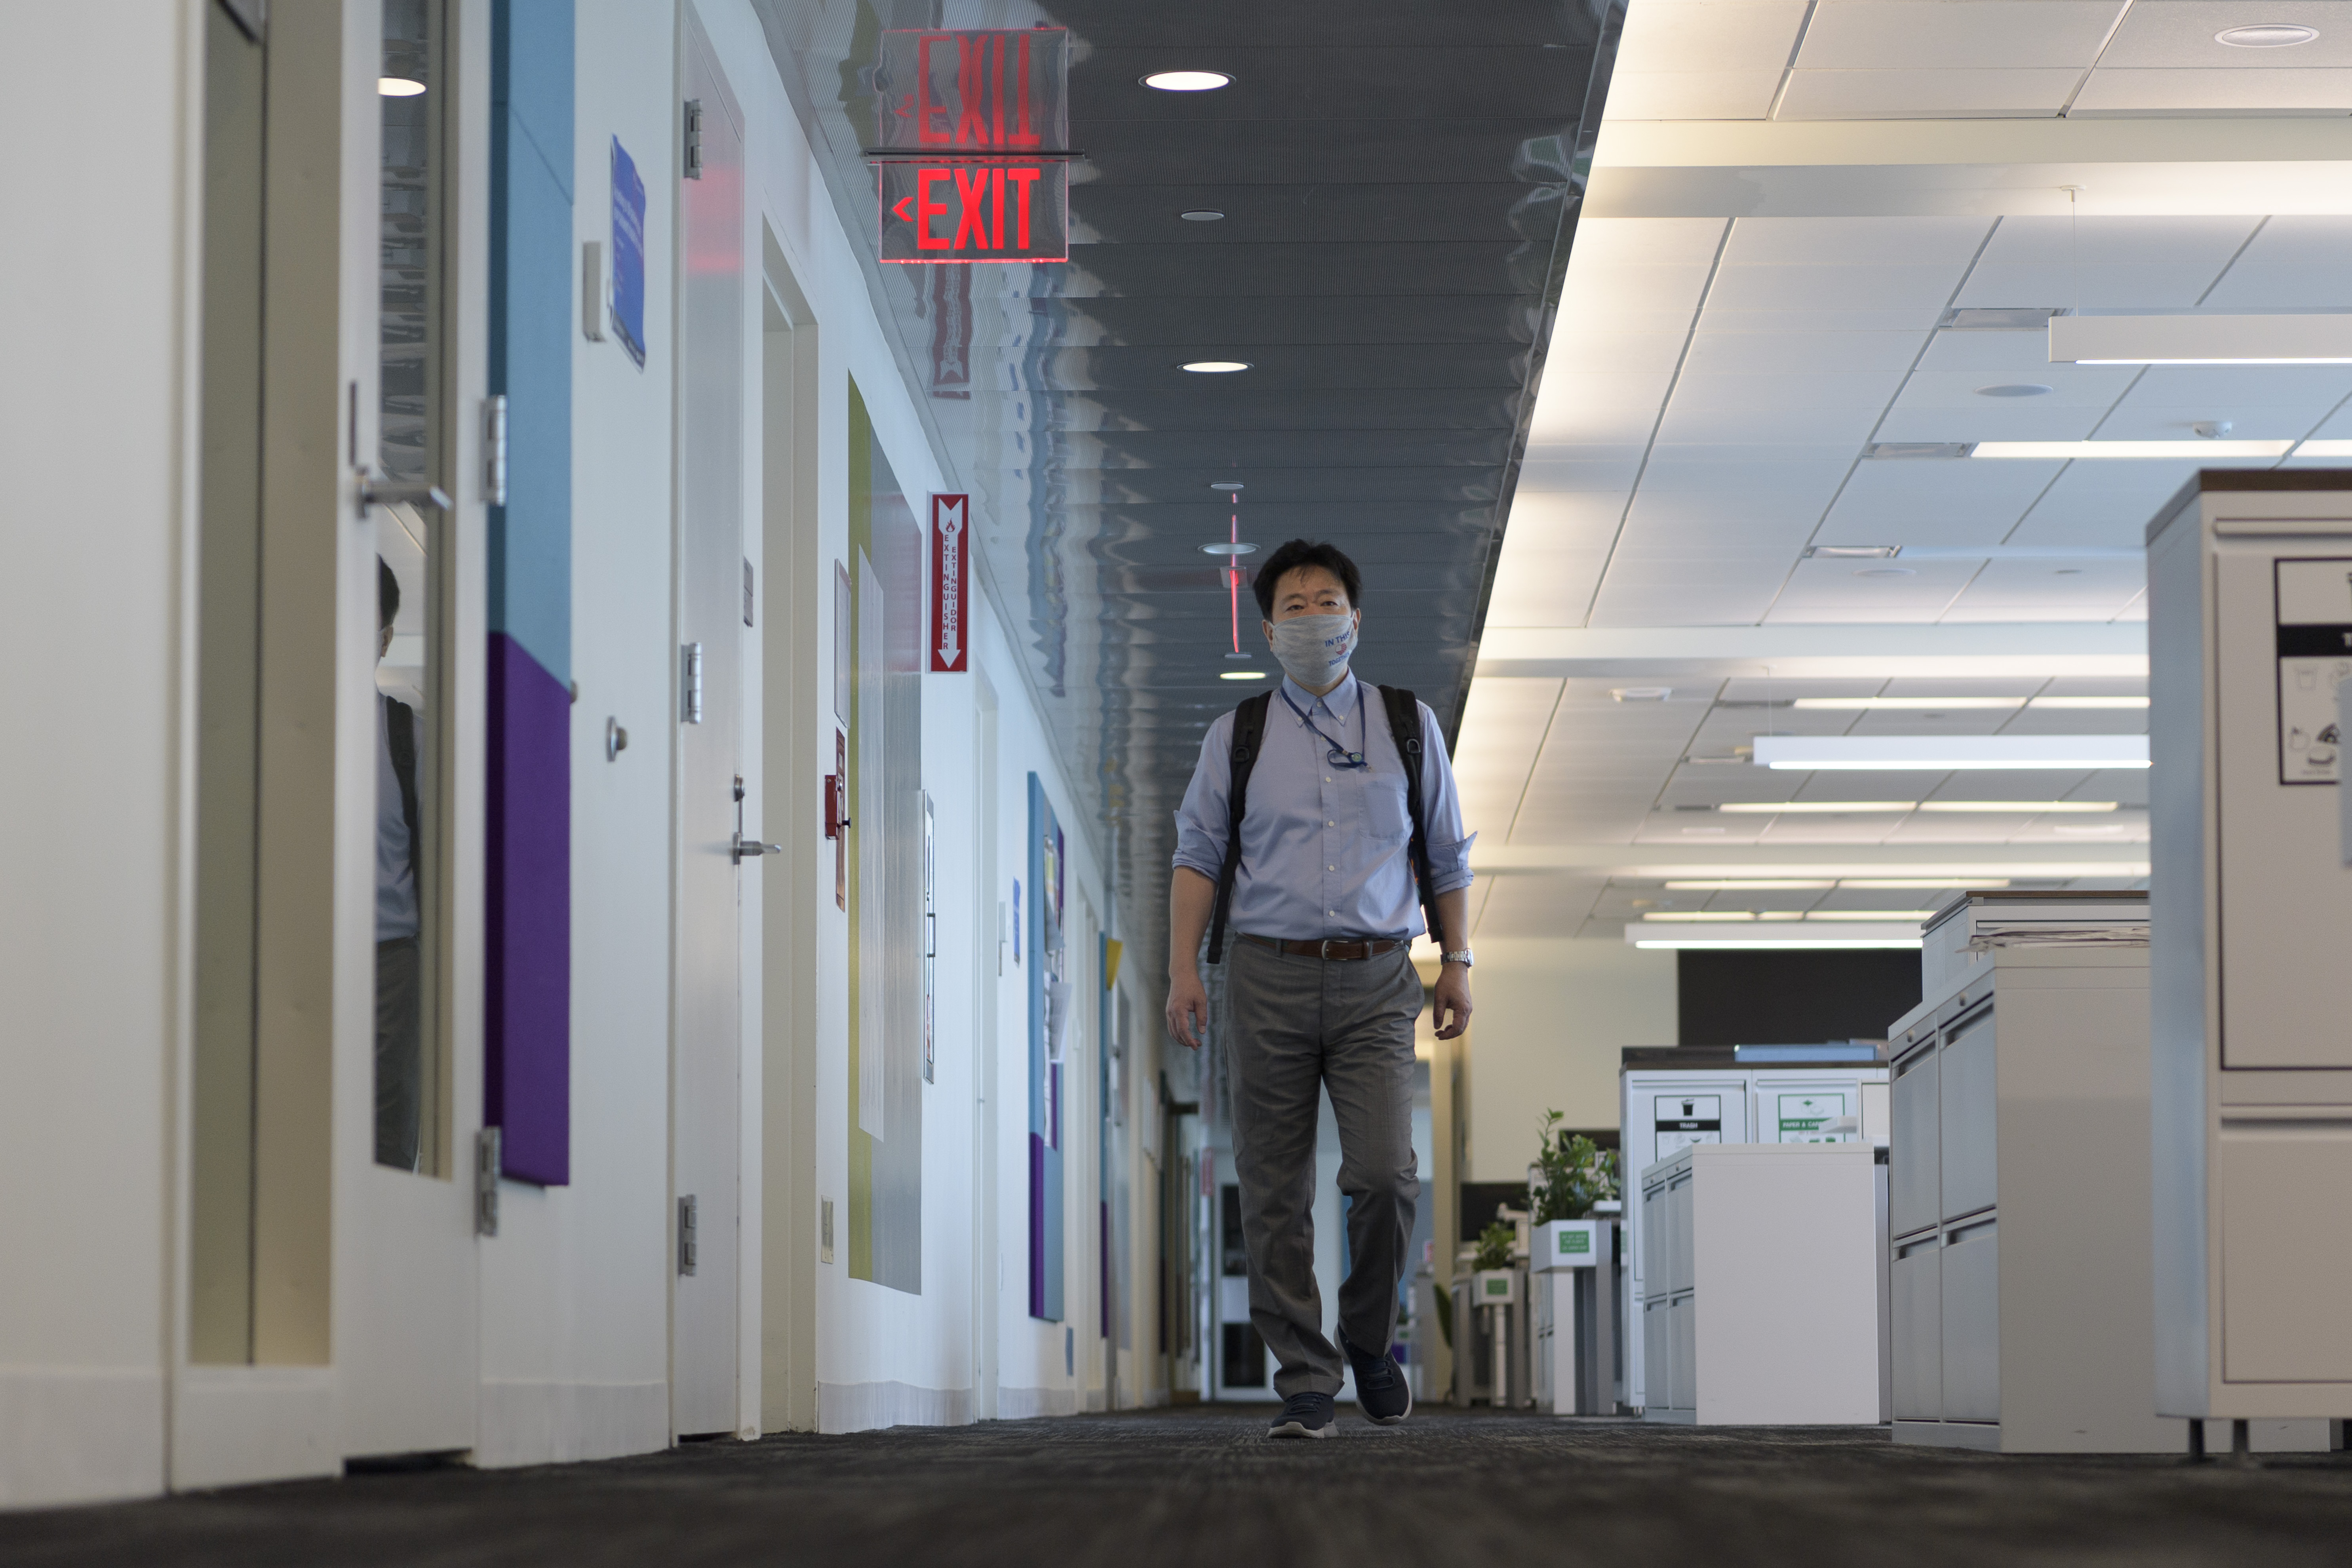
(1382,1392)
(1303,1416)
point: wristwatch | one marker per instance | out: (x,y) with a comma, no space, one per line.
(1462,957)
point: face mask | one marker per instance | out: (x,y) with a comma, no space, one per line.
(1314,649)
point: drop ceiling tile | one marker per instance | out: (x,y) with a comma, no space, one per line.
(2138,421)
(1715,353)
(1850,287)
(1973,685)
(1854,241)
(2179,33)
(1966,614)
(1578,520)
(2154,285)
(1658,520)
(1646,241)
(1535,586)
(2071,386)
(1569,468)
(1762,424)
(1667,573)
(1927,94)
(2249,384)
(2106,504)
(1845,389)
(1883,498)
(2105,241)
(1805,828)
(1692,95)
(2000,356)
(1991,423)
(1956,35)
(1707,35)
(2293,261)
(1826,614)
(2078,721)
(1595,348)
(1746,690)
(1687,607)
(1659,286)
(1894,586)
(1918,317)
(1756,480)
(2243,93)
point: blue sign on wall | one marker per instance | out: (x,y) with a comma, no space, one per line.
(628,254)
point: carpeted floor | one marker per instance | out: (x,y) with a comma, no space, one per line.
(1201,1487)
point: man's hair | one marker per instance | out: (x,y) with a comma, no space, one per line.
(1306,553)
(387,594)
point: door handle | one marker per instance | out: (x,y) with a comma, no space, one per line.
(748,847)
(385,492)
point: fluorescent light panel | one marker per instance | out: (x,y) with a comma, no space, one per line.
(1802,884)
(2069,450)
(2321,338)
(1947,753)
(1824,808)
(1841,807)
(1944,704)
(1730,917)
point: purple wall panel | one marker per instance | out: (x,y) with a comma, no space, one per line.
(528,1035)
(1036,1225)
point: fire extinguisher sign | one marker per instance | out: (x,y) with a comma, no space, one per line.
(951,580)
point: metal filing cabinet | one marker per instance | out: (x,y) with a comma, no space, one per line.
(1761,1305)
(2018,1191)
(2250,635)
(1671,1096)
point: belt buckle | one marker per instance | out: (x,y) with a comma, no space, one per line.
(1324,951)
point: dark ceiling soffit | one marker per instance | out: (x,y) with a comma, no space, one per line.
(1580,174)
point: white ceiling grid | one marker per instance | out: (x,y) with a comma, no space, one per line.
(1714,384)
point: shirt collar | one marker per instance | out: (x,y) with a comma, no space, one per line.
(1339,701)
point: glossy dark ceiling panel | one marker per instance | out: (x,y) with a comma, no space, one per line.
(1398,183)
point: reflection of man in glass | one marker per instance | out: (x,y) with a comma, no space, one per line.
(399,1055)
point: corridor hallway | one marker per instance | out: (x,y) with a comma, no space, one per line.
(1198,1485)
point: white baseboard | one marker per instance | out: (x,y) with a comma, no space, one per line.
(1022,1403)
(866,1406)
(533,1422)
(232,1426)
(71,1435)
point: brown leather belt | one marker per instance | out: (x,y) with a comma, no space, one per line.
(1344,951)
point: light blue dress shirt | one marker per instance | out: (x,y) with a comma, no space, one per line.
(1326,850)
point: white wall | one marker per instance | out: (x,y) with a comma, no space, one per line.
(884,1356)
(94,615)
(1549,1018)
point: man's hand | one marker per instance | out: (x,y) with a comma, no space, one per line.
(1449,1007)
(1188,1006)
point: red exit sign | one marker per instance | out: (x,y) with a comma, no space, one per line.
(974,132)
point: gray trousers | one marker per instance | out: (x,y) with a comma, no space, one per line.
(1294,1027)
(399,1054)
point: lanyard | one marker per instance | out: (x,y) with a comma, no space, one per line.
(1340,756)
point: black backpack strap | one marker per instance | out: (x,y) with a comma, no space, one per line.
(1405,724)
(1249,729)
(400,738)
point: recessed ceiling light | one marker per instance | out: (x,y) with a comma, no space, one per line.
(1849,551)
(2266,35)
(1707,830)
(2067,572)
(2000,318)
(1887,572)
(1893,884)
(1242,674)
(1869,914)
(1188,82)
(1215,366)
(1752,885)
(2013,389)
(397,87)
(1202,215)
(1225,484)
(1640,693)
(2086,832)
(1222,548)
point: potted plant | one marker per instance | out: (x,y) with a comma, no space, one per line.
(1571,1174)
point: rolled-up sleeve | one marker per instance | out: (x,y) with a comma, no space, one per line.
(1201,820)
(1449,848)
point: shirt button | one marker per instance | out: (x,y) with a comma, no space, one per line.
(1330,825)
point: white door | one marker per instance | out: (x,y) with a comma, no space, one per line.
(714,602)
(407,1280)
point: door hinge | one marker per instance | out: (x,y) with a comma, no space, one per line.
(494,450)
(694,138)
(488,1156)
(687,1249)
(692,669)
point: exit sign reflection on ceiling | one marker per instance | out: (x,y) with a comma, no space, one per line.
(974,156)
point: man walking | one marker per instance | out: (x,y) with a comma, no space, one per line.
(1321,823)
